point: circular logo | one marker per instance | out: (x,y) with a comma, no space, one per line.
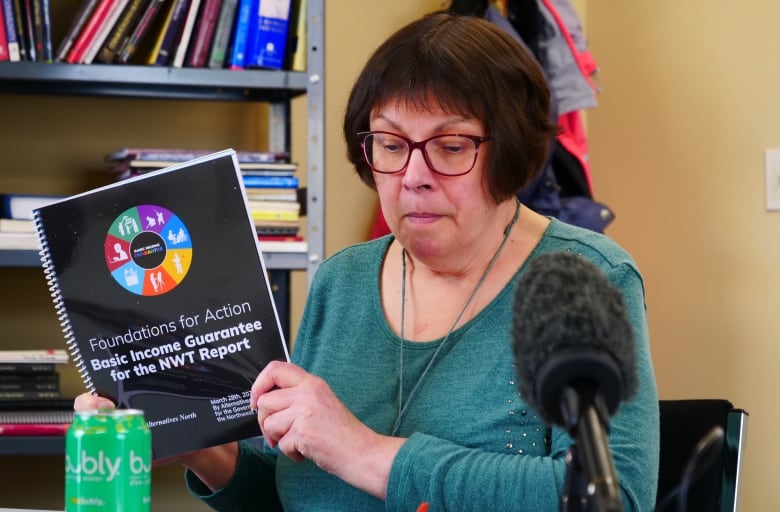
(148,250)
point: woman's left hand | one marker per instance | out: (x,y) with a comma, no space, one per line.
(299,413)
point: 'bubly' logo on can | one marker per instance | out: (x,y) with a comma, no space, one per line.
(102,467)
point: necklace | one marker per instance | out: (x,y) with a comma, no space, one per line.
(403,406)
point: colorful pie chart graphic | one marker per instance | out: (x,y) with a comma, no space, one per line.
(148,250)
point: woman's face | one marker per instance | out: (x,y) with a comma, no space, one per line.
(430,214)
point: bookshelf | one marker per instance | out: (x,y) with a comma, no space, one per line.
(276,88)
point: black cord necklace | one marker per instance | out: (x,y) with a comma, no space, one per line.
(403,406)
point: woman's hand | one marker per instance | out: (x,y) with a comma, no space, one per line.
(214,466)
(88,401)
(299,413)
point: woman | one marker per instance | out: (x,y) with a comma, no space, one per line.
(402,388)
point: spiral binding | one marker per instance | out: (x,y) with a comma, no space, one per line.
(59,304)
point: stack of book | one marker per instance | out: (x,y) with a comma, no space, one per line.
(272,187)
(31,401)
(17,231)
(193,33)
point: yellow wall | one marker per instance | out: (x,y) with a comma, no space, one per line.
(677,149)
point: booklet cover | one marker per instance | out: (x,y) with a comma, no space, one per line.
(163,295)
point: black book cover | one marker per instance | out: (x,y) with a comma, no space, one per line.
(164,298)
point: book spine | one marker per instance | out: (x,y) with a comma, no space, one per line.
(81,18)
(18,9)
(12,37)
(26,368)
(121,29)
(145,21)
(103,31)
(182,155)
(28,395)
(297,42)
(222,32)
(204,33)
(80,46)
(29,386)
(267,41)
(160,34)
(186,34)
(168,44)
(33,429)
(3,39)
(237,57)
(43,17)
(56,294)
(29,30)
(270,181)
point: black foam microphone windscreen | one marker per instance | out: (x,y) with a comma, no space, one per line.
(570,327)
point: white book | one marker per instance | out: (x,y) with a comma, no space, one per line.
(94,47)
(186,35)
(16,226)
(55,356)
(19,241)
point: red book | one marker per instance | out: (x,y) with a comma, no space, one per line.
(33,429)
(90,30)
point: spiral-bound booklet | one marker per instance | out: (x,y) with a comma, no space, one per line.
(163,296)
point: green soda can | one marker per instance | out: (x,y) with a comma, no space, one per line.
(108,462)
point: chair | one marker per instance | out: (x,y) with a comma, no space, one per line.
(705,438)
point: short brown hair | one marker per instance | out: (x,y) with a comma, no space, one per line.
(470,67)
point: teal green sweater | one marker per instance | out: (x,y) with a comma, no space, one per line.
(473,444)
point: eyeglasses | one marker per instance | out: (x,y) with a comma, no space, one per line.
(447,154)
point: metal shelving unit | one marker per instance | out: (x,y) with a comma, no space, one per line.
(274,87)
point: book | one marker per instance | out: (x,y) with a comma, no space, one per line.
(3,39)
(30,382)
(28,395)
(268,34)
(10,241)
(238,43)
(52,356)
(186,34)
(19,368)
(77,23)
(162,290)
(16,226)
(203,34)
(28,18)
(21,37)
(222,32)
(20,206)
(270,181)
(121,29)
(42,30)
(33,429)
(145,22)
(158,33)
(91,28)
(167,45)
(103,31)
(182,155)
(11,35)
(297,45)
(22,415)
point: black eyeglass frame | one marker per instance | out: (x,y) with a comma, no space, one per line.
(476,139)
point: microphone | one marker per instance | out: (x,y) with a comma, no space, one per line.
(574,348)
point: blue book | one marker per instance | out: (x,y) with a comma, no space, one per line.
(268,35)
(20,206)
(237,56)
(10,31)
(254,181)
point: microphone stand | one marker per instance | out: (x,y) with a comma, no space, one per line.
(591,483)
